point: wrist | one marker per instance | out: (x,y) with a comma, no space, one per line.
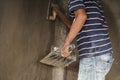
(67,41)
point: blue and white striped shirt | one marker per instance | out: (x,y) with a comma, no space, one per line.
(93,39)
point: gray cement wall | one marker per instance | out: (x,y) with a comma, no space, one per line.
(26,37)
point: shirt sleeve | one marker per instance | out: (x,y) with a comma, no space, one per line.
(75,5)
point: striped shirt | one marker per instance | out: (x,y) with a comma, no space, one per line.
(93,39)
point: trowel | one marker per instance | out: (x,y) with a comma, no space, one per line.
(54,58)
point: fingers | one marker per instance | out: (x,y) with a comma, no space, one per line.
(65,52)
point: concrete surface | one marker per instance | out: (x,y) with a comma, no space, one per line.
(26,37)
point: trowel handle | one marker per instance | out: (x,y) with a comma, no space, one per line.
(72,47)
(57,49)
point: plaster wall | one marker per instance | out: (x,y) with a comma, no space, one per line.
(26,37)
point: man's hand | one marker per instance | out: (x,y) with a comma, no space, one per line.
(65,51)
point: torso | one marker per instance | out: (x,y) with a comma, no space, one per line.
(93,38)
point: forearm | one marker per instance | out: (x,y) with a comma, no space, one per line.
(75,28)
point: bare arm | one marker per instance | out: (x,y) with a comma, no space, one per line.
(80,18)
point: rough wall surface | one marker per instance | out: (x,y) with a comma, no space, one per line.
(26,37)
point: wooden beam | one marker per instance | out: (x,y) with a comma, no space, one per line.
(63,18)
